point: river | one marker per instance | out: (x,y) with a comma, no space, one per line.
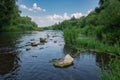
(18,63)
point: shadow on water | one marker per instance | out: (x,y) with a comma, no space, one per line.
(8,41)
(8,63)
(102,59)
(8,54)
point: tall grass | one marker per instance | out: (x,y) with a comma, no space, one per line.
(72,37)
(97,45)
(114,71)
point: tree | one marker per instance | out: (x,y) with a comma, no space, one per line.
(8,12)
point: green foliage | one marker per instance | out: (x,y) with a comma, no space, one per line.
(8,12)
(102,23)
(92,19)
(114,73)
(110,15)
(10,19)
(70,36)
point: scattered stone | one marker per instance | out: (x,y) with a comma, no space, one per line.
(27,49)
(64,62)
(28,44)
(41,48)
(34,56)
(34,44)
(54,36)
(32,39)
(42,40)
(48,36)
(51,39)
(60,44)
(55,41)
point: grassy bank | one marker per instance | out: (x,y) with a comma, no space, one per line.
(74,38)
(80,42)
(114,72)
(16,28)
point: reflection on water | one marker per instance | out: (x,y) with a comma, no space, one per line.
(18,63)
(8,64)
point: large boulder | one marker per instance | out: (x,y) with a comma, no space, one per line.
(64,62)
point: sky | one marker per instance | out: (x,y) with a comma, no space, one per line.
(49,12)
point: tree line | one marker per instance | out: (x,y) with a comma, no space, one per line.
(10,19)
(103,22)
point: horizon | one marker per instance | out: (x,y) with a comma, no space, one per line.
(46,13)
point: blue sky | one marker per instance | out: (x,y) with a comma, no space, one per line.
(49,12)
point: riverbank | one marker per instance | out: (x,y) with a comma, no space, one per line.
(80,42)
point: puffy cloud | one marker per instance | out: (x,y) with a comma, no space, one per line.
(23,6)
(34,8)
(30,9)
(34,5)
(77,15)
(48,20)
(55,17)
(42,21)
(65,16)
(44,10)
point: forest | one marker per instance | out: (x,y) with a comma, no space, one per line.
(10,19)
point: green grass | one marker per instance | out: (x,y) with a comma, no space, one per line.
(74,39)
(114,72)
(20,28)
(70,36)
(97,45)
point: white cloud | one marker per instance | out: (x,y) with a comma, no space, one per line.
(23,6)
(77,15)
(44,10)
(66,16)
(34,5)
(30,9)
(48,20)
(34,8)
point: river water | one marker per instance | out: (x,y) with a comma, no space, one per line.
(17,63)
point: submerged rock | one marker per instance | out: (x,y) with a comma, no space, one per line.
(42,40)
(64,62)
(32,39)
(55,41)
(34,44)
(48,36)
(27,49)
(42,48)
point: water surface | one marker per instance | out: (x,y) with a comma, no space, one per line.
(16,63)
